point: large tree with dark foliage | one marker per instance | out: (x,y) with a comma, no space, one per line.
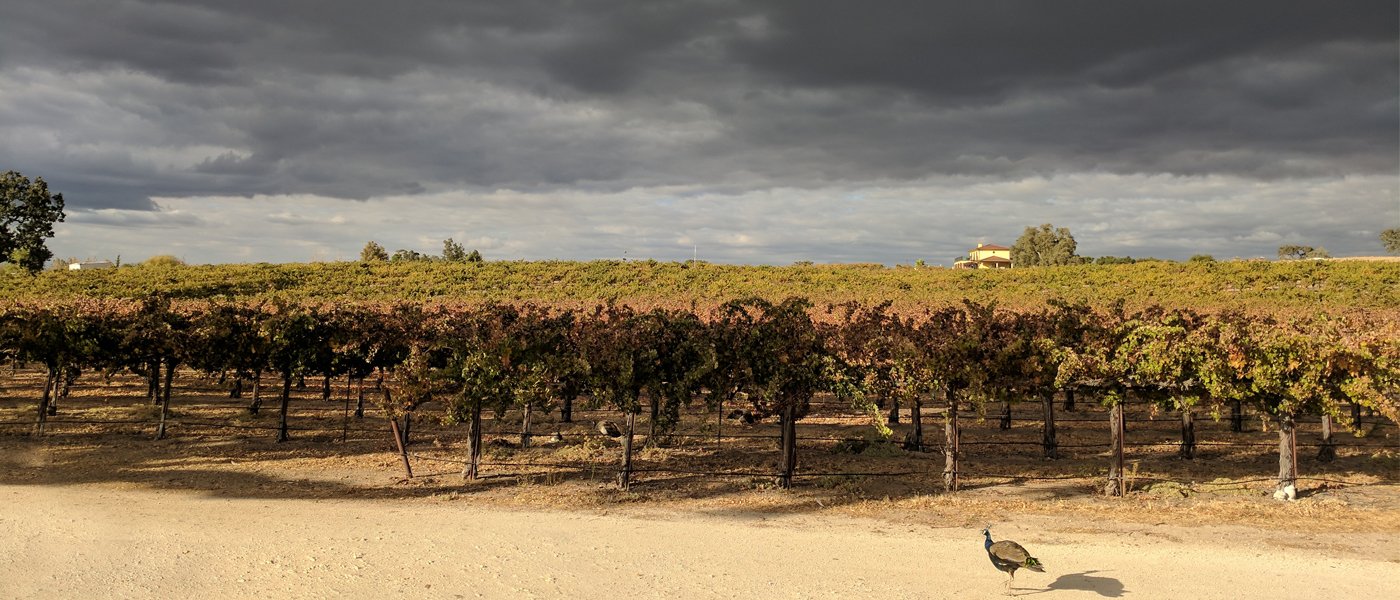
(1044,247)
(27,214)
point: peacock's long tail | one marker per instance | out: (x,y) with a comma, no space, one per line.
(1034,565)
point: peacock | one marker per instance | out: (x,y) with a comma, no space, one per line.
(609,429)
(1009,556)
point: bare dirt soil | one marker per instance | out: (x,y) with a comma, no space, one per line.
(98,509)
(112,541)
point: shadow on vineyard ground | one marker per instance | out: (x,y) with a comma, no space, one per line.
(212,449)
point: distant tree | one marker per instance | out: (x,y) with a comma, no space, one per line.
(1202,258)
(373,252)
(402,255)
(453,252)
(27,214)
(163,260)
(1319,253)
(1391,239)
(1292,252)
(1114,260)
(474,257)
(802,263)
(1044,247)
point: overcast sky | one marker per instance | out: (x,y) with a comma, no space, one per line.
(748,132)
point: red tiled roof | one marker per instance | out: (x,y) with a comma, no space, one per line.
(990,247)
(994,259)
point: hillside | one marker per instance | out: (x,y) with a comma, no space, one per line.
(1251,286)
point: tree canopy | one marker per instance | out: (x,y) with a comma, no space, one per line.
(1292,252)
(27,214)
(373,252)
(1391,239)
(1043,247)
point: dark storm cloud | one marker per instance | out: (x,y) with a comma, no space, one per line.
(118,102)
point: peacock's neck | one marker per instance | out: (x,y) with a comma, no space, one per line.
(988,545)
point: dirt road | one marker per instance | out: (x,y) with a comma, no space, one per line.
(109,542)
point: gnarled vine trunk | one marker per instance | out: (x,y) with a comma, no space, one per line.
(624,475)
(916,416)
(1049,444)
(256,404)
(1188,435)
(1117,485)
(472,469)
(286,402)
(951,455)
(165,400)
(787,463)
(1328,451)
(1287,486)
(360,401)
(49,383)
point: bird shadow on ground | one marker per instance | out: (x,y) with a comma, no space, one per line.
(1104,586)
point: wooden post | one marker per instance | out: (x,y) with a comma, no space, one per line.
(1050,446)
(1069,400)
(1328,451)
(1005,415)
(49,381)
(1117,485)
(788,460)
(1236,417)
(525,425)
(398,441)
(326,389)
(1188,434)
(950,444)
(472,469)
(1356,416)
(566,410)
(165,402)
(624,476)
(1287,486)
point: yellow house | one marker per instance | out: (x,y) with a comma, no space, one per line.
(986,256)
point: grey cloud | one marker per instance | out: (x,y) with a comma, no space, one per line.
(136,219)
(116,103)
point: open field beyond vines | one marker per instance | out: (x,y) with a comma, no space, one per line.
(1297,287)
